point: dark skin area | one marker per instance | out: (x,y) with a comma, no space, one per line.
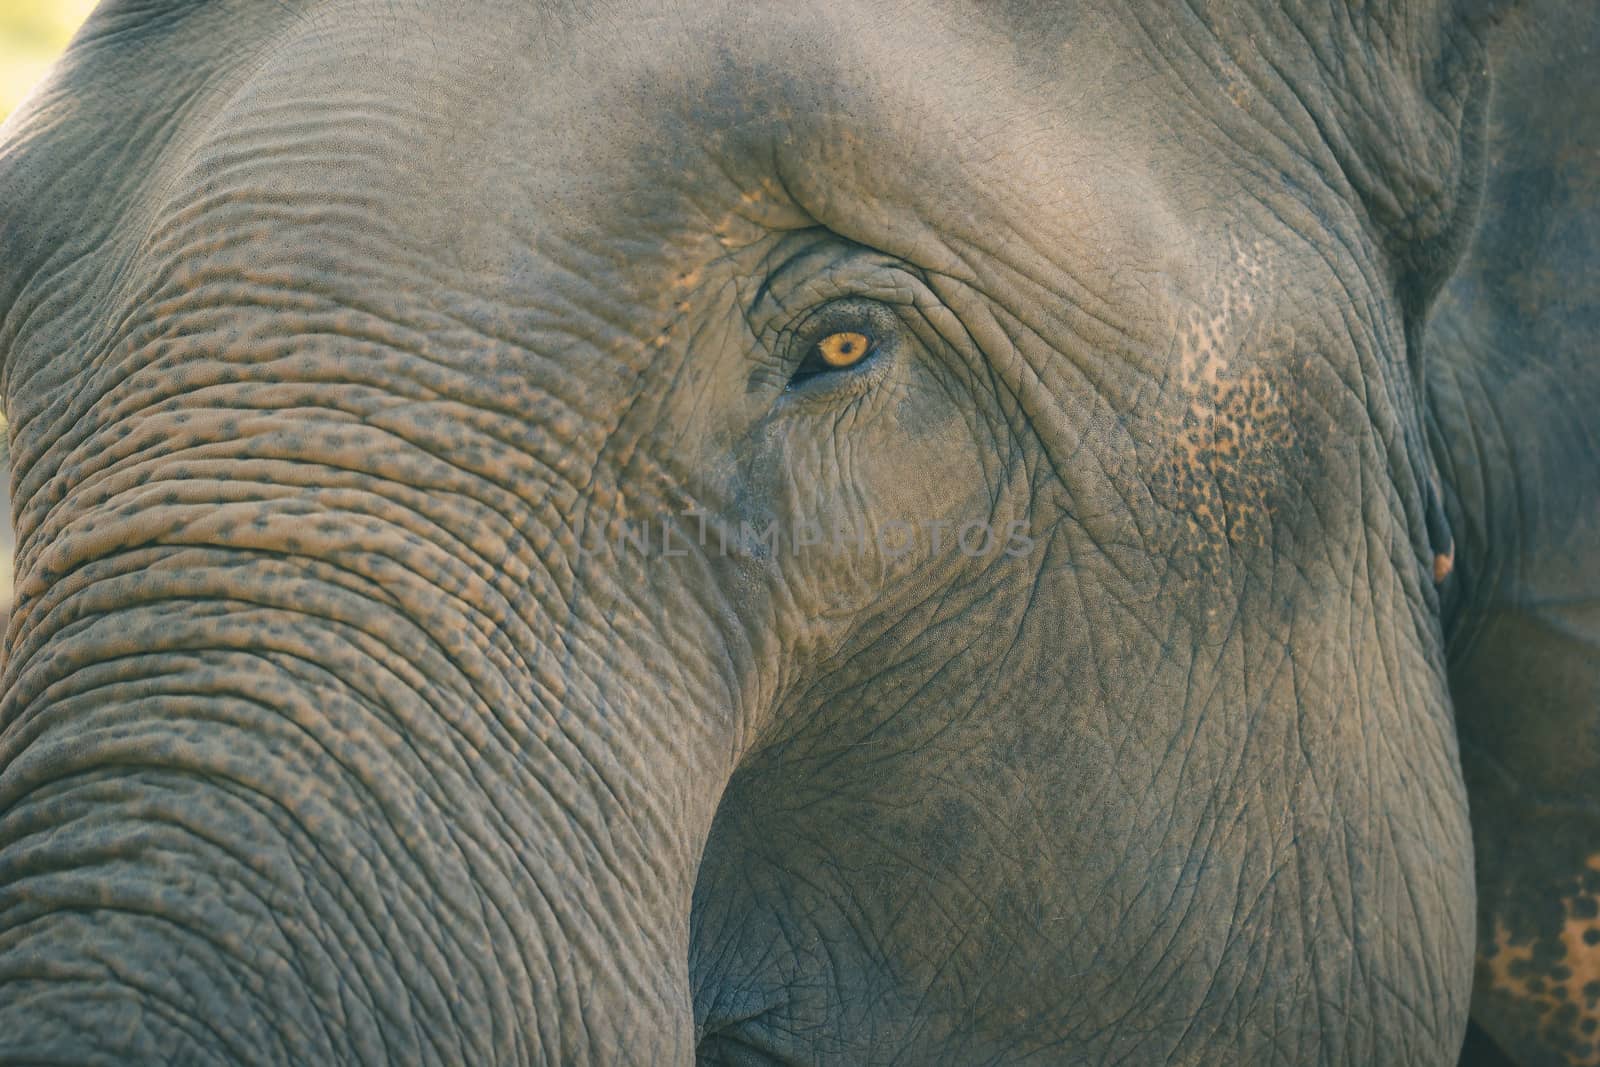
(1511,358)
(332,330)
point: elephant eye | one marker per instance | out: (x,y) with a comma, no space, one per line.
(842,350)
(834,352)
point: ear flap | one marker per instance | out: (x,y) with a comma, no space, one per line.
(1417,97)
(1513,391)
(1392,94)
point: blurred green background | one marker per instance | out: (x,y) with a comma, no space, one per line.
(32,34)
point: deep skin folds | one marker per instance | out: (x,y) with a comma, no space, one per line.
(341,726)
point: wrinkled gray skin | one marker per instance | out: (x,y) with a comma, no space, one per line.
(331,329)
(8,544)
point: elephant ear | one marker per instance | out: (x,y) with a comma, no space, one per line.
(1412,82)
(1397,91)
(1388,100)
(1513,391)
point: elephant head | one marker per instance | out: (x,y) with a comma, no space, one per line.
(814,533)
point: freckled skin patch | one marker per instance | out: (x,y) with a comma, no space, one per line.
(1556,973)
(1230,434)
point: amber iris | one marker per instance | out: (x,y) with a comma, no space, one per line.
(844,349)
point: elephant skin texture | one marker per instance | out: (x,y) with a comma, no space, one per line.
(931,532)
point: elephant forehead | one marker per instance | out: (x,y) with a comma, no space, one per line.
(572,181)
(639,144)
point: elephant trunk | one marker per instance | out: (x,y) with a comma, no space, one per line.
(268,794)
